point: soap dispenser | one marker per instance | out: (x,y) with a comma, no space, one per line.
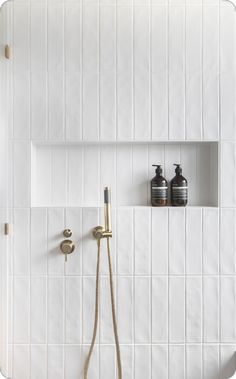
(179,188)
(159,188)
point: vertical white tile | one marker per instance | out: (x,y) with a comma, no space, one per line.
(228,176)
(21,110)
(124,175)
(91,175)
(159,309)
(56,69)
(73,71)
(107,76)
(55,106)
(142,310)
(127,357)
(142,73)
(210,72)
(193,241)
(21,176)
(142,256)
(38,258)
(21,310)
(227,241)
(227,305)
(124,242)
(108,170)
(21,365)
(55,14)
(159,77)
(176,309)
(106,327)
(193,362)
(210,241)
(38,99)
(58,182)
(193,72)
(159,241)
(38,362)
(21,241)
(73,221)
(21,36)
(142,362)
(90,72)
(227,74)
(73,361)
(124,73)
(211,361)
(38,40)
(107,362)
(55,236)
(140,175)
(193,309)
(210,309)
(41,172)
(38,313)
(159,361)
(88,305)
(125,309)
(55,362)
(55,307)
(73,304)
(38,63)
(75,176)
(203,177)
(176,362)
(176,73)
(90,220)
(176,241)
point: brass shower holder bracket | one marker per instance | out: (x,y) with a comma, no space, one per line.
(100,232)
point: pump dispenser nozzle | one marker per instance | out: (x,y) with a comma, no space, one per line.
(178,169)
(158,168)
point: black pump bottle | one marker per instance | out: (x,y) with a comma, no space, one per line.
(179,188)
(159,189)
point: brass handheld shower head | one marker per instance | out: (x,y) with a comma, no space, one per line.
(107,209)
(100,231)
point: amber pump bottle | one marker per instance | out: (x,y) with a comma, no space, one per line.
(159,188)
(179,188)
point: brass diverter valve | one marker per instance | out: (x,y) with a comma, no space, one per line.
(67,246)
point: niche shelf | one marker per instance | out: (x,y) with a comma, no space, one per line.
(74,174)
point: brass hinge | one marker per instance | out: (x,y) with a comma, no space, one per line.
(7,229)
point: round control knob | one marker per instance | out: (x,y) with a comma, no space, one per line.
(67,247)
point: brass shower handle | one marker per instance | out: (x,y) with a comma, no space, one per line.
(67,247)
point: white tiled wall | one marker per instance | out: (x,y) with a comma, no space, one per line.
(118,71)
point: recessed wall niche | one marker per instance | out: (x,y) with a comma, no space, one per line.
(70,174)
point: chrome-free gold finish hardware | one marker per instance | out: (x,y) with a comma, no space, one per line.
(7,229)
(100,231)
(67,233)
(7,52)
(67,247)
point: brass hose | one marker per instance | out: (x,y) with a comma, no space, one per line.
(119,366)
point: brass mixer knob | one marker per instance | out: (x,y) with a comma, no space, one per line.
(67,247)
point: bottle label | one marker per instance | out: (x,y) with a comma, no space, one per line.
(179,193)
(159,193)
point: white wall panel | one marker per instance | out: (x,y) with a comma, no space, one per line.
(38,310)
(142,310)
(210,72)
(210,309)
(159,309)
(73,313)
(176,309)
(55,314)
(176,241)
(176,73)
(193,309)
(21,310)
(210,241)
(90,72)
(38,367)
